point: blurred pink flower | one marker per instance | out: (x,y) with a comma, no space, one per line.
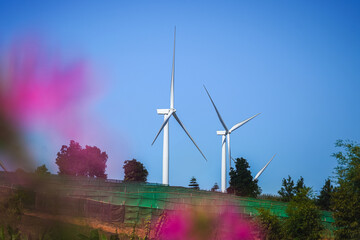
(211,224)
(37,87)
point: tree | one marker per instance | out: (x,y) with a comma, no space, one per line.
(42,171)
(241,181)
(287,190)
(304,221)
(346,196)
(134,171)
(215,187)
(77,161)
(300,185)
(324,199)
(96,161)
(193,184)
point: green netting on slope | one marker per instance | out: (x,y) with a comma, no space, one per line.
(170,201)
(141,201)
(163,197)
(131,214)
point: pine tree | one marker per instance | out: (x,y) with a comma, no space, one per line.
(193,184)
(300,185)
(241,181)
(324,199)
(287,190)
(42,171)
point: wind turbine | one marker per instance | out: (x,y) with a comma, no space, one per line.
(225,135)
(167,115)
(263,169)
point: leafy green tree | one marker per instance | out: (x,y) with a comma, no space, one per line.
(324,199)
(134,171)
(42,171)
(193,184)
(304,221)
(287,190)
(77,161)
(270,225)
(215,187)
(346,196)
(241,181)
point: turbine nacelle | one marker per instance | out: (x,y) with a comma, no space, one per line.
(165,111)
(221,132)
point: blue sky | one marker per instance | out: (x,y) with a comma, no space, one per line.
(295,62)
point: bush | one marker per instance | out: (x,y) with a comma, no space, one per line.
(271,197)
(304,220)
(346,196)
(270,225)
(11,211)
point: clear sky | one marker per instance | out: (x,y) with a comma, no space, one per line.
(296,62)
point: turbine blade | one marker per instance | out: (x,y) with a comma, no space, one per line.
(236,126)
(223,142)
(163,125)
(2,166)
(217,112)
(263,169)
(183,127)
(172,75)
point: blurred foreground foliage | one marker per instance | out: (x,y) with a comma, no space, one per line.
(16,225)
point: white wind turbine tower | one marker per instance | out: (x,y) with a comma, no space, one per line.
(167,114)
(263,169)
(226,135)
